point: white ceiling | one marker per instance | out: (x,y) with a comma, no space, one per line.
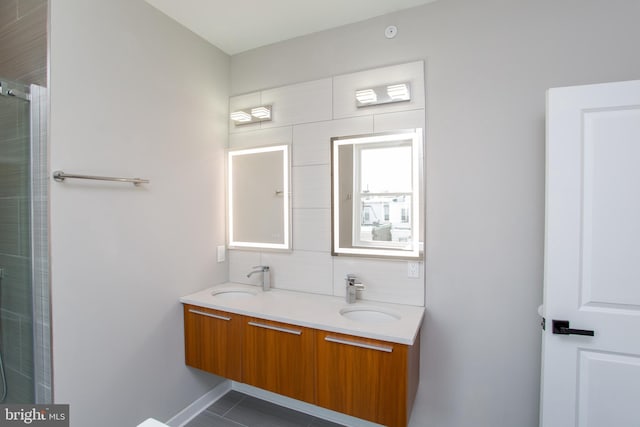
(238,25)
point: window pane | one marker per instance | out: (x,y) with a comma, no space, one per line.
(396,228)
(396,164)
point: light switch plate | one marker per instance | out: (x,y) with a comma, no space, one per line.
(221,253)
(413,269)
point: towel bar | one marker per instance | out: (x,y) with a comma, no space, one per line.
(60,176)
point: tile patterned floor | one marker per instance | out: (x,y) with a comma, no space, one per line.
(236,409)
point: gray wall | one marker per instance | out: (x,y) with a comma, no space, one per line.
(132,94)
(488,65)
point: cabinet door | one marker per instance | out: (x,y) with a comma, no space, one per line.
(213,341)
(280,358)
(362,377)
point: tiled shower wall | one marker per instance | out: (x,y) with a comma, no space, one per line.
(23,41)
(306,116)
(23,58)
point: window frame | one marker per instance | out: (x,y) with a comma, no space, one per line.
(414,249)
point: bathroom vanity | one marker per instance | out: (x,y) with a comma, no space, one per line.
(359,359)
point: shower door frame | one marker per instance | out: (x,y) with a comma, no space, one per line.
(40,279)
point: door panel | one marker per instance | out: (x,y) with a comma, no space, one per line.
(605,377)
(611,209)
(592,256)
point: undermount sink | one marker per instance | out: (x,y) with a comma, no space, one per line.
(233,293)
(369,314)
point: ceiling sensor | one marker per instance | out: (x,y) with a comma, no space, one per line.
(391,31)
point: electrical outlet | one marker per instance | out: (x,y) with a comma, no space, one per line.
(221,253)
(413,269)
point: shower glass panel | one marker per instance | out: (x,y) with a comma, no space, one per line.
(24,292)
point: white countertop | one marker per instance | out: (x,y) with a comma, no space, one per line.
(314,311)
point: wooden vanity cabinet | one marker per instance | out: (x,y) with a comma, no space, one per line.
(280,358)
(213,341)
(369,379)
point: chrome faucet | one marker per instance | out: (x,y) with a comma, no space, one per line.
(266,276)
(353,285)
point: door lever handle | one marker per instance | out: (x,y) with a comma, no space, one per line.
(561,327)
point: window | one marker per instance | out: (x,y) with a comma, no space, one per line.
(376,184)
(383,197)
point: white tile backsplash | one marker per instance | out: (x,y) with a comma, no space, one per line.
(384,280)
(400,120)
(301,271)
(261,137)
(312,230)
(241,263)
(298,103)
(307,115)
(312,142)
(311,187)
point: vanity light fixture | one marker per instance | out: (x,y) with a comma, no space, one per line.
(263,113)
(245,116)
(366,96)
(386,94)
(399,92)
(240,117)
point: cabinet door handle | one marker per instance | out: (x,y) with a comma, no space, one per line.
(203,313)
(386,349)
(276,328)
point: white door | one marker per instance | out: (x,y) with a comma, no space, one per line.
(592,257)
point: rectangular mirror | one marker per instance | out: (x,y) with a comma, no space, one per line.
(258,198)
(376,187)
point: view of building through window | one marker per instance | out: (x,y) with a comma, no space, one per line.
(384,198)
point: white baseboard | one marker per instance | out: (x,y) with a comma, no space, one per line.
(297,405)
(202,403)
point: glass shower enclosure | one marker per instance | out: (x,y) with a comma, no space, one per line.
(25,355)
